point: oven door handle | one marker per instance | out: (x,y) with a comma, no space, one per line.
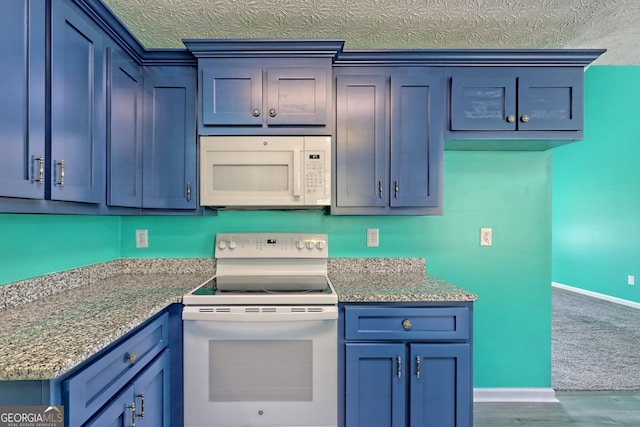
(197,314)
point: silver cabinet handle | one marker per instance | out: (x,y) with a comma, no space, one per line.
(40,179)
(61,165)
(397,188)
(133,414)
(399,365)
(141,414)
(418,367)
(188,191)
(380,189)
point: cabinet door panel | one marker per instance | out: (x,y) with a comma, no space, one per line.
(151,394)
(125,132)
(296,96)
(375,385)
(441,385)
(169,180)
(22,107)
(552,101)
(118,413)
(416,144)
(362,141)
(230,95)
(77,107)
(483,102)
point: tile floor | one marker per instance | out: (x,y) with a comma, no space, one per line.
(575,409)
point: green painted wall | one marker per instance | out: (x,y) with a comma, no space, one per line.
(596,201)
(33,245)
(509,192)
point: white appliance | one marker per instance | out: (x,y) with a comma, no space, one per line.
(260,337)
(265,171)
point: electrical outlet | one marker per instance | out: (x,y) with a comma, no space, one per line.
(373,236)
(631,280)
(142,239)
(486,237)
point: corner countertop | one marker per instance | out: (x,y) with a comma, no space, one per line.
(84,310)
(51,324)
(390,280)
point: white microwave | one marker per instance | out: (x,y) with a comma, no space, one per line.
(265,171)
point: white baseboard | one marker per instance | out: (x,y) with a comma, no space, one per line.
(609,298)
(533,395)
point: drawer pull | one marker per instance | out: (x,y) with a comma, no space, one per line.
(406,324)
(131,358)
(272,112)
(255,112)
(399,366)
(418,367)
(40,179)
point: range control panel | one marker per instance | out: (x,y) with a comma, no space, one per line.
(271,245)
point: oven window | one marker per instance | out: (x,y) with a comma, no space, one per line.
(261,177)
(260,370)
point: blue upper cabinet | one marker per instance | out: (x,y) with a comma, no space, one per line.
(78,116)
(388,141)
(169,153)
(22,106)
(264,86)
(515,103)
(124,137)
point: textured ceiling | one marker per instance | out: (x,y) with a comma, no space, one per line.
(396,24)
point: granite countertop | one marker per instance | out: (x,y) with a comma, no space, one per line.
(390,280)
(52,323)
(46,337)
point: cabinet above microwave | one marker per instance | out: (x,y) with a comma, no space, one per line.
(265,171)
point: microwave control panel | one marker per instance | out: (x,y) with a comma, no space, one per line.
(317,171)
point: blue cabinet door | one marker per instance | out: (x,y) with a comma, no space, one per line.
(231,95)
(169,153)
(296,96)
(78,118)
(416,138)
(22,104)
(441,385)
(124,136)
(480,100)
(362,171)
(375,385)
(551,99)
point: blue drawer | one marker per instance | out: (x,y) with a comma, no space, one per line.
(397,323)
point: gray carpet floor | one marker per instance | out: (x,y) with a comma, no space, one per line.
(595,344)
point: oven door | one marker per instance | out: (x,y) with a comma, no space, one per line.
(260,366)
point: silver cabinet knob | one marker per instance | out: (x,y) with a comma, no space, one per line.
(255,112)
(406,324)
(511,118)
(272,112)
(524,118)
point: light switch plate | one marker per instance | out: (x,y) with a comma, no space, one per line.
(142,239)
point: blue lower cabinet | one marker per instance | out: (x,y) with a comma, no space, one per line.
(143,402)
(415,372)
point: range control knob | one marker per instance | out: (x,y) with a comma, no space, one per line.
(222,245)
(300,244)
(310,244)
(320,245)
(232,244)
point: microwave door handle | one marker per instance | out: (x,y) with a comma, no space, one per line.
(297,173)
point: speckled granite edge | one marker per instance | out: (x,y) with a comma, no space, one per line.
(24,291)
(376,265)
